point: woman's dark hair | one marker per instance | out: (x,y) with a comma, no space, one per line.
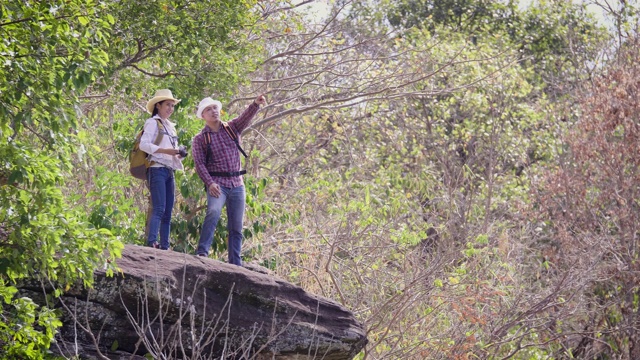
(155,109)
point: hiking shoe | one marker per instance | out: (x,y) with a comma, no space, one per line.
(203,255)
(154,245)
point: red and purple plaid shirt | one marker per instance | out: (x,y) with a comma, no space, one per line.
(224,155)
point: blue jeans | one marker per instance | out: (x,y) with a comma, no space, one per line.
(234,198)
(162,187)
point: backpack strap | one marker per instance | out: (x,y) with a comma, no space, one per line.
(158,139)
(207,142)
(233,137)
(160,133)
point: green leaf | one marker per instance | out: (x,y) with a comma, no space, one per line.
(15,177)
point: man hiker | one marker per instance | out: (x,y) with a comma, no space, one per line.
(216,153)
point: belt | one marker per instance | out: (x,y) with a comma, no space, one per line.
(157,165)
(227,174)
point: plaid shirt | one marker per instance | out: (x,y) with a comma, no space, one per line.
(224,155)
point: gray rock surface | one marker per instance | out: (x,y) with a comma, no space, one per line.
(177,306)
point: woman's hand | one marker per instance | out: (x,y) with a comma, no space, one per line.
(169,151)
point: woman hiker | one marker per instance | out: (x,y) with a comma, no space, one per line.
(165,159)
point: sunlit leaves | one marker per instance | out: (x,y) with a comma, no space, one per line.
(51,51)
(181,44)
(27,330)
(49,46)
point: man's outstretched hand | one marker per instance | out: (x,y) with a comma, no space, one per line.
(261,100)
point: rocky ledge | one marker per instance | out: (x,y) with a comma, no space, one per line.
(169,305)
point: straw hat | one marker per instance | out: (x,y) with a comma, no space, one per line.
(205,103)
(161,95)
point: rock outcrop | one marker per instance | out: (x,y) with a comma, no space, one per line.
(176,306)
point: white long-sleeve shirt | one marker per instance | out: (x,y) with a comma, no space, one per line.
(169,140)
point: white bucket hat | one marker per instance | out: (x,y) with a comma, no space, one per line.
(161,95)
(205,103)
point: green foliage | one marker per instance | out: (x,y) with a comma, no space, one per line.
(468,15)
(51,54)
(553,38)
(181,44)
(410,194)
(27,330)
(43,224)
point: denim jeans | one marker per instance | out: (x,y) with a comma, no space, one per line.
(234,198)
(162,187)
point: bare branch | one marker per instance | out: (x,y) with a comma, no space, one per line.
(170,73)
(266,14)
